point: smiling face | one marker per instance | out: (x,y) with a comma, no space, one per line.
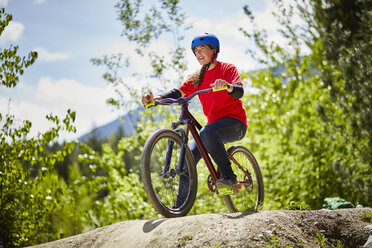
(203,54)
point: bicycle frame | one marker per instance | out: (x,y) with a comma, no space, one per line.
(186,118)
(191,126)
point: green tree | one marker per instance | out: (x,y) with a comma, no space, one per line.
(124,197)
(302,135)
(143,26)
(345,29)
(27,204)
(11,63)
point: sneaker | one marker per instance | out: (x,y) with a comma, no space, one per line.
(227,186)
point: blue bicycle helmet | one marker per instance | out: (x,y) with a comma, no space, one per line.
(206,39)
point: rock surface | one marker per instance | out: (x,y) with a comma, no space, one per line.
(278,228)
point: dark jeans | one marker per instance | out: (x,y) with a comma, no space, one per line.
(214,136)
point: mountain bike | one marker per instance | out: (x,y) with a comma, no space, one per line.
(166,158)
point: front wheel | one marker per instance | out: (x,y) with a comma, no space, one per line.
(163,180)
(250,182)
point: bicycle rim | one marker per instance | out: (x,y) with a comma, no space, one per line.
(251,192)
(161,186)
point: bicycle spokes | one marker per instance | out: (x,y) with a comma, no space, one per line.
(247,183)
(170,173)
(249,179)
(171,188)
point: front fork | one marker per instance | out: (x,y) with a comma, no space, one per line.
(168,157)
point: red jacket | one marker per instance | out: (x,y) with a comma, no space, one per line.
(218,105)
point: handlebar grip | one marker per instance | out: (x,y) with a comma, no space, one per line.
(150,104)
(223,88)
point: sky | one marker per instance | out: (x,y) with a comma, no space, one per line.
(67,34)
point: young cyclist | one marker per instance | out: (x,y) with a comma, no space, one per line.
(223,109)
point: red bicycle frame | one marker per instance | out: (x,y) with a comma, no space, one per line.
(192,124)
(186,118)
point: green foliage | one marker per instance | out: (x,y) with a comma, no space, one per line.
(76,201)
(11,64)
(321,239)
(304,156)
(272,242)
(298,206)
(125,197)
(367,216)
(143,25)
(30,188)
(29,203)
(340,244)
(345,29)
(154,22)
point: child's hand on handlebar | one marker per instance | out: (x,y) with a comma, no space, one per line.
(147,99)
(220,83)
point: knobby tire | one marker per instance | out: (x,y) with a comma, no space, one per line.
(249,198)
(162,192)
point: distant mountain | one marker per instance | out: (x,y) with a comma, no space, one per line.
(127,123)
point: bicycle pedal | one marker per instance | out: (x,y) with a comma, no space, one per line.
(225,191)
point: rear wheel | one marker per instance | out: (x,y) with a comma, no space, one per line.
(250,182)
(162,185)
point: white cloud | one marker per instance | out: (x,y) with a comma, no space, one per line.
(40,1)
(238,57)
(225,27)
(267,21)
(4,3)
(137,75)
(140,65)
(70,92)
(45,55)
(12,33)
(56,97)
(88,102)
(25,110)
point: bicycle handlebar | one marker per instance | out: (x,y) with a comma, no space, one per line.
(182,100)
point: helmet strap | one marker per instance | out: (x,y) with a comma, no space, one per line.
(214,57)
(206,66)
